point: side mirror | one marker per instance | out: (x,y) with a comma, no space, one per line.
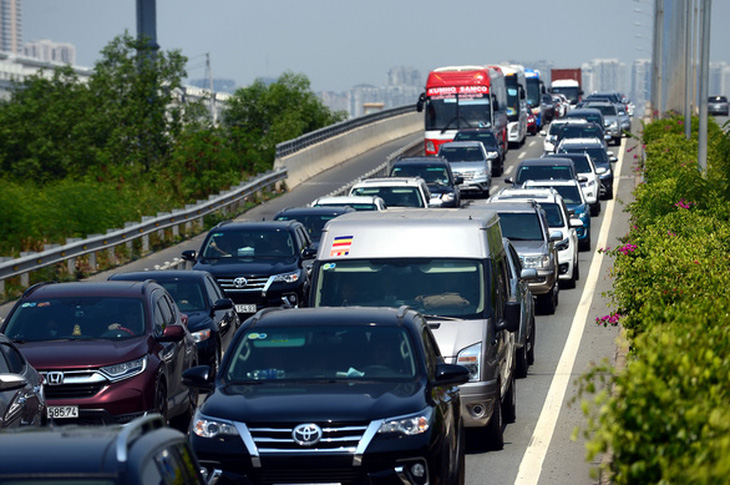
(528,274)
(172,333)
(543,133)
(451,374)
(222,304)
(511,321)
(508,180)
(200,378)
(582,178)
(458,180)
(309,253)
(421,101)
(575,223)
(12,382)
(556,236)
(189,255)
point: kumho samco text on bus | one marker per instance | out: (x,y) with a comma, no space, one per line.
(460,97)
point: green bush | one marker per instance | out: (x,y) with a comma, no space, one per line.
(668,419)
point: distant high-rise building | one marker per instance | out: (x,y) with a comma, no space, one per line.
(10,26)
(640,82)
(405,76)
(49,51)
(604,75)
(719,79)
(219,85)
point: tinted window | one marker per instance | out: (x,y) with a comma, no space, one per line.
(188,295)
(521,226)
(393,196)
(462,154)
(250,243)
(76,318)
(544,173)
(431,174)
(322,352)
(15,362)
(487,137)
(554,214)
(449,287)
(213,289)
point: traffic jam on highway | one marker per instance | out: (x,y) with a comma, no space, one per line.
(374,337)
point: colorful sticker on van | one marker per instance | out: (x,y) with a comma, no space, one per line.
(341,246)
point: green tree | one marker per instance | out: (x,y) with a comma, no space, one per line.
(260,116)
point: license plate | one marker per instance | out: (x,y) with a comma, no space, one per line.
(246,308)
(62,412)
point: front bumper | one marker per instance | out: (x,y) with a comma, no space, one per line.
(544,282)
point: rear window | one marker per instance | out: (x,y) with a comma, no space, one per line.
(544,173)
(393,196)
(432,175)
(520,226)
(718,99)
(462,154)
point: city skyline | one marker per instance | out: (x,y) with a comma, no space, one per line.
(338,45)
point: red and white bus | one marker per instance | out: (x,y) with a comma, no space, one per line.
(461,97)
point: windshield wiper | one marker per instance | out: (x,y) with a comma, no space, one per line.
(428,316)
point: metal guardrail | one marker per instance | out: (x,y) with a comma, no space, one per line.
(288,147)
(116,237)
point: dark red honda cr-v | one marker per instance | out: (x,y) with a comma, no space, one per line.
(109,351)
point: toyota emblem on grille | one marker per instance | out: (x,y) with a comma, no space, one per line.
(240,282)
(54,378)
(307,434)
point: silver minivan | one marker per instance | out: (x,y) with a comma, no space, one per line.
(451,266)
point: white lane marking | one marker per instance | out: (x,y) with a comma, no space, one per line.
(532,143)
(531,465)
(508,170)
(521,155)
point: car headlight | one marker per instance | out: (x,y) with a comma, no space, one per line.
(201,335)
(447,197)
(480,173)
(589,184)
(125,370)
(408,425)
(471,358)
(210,428)
(538,261)
(492,155)
(287,277)
(563,245)
(601,170)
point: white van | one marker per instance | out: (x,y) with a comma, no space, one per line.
(451,266)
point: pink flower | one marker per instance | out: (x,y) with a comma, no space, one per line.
(684,205)
(627,248)
(671,233)
(610,319)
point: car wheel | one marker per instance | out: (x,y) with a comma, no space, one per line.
(596,209)
(521,357)
(531,350)
(493,432)
(576,270)
(568,284)
(161,400)
(546,303)
(182,422)
(585,243)
(509,405)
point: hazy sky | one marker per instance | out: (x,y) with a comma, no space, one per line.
(341,43)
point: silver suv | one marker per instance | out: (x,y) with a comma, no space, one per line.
(470,161)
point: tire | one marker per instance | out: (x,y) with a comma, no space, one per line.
(531,350)
(509,404)
(161,400)
(493,432)
(522,364)
(609,193)
(596,209)
(182,421)
(585,244)
(548,302)
(576,271)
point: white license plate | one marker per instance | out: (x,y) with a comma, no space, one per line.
(62,412)
(247,308)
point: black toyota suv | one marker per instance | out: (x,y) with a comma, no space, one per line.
(442,183)
(141,452)
(258,264)
(332,395)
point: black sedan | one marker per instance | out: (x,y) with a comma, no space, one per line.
(212,320)
(321,395)
(22,401)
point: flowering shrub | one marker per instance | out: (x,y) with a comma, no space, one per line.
(668,419)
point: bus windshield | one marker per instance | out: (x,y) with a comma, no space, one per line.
(458,111)
(533,92)
(513,98)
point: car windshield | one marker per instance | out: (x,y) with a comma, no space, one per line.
(187,294)
(322,352)
(486,137)
(540,172)
(312,223)
(555,128)
(582,165)
(250,244)
(598,154)
(554,214)
(570,193)
(521,226)
(446,287)
(461,153)
(432,175)
(77,318)
(393,196)
(605,109)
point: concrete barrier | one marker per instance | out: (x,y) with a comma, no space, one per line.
(317,158)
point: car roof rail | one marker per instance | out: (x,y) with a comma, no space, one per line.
(402,310)
(223,223)
(34,287)
(135,429)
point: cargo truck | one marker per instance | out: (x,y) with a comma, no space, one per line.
(567,82)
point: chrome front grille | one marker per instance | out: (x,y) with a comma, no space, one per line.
(278,438)
(73,384)
(253,283)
